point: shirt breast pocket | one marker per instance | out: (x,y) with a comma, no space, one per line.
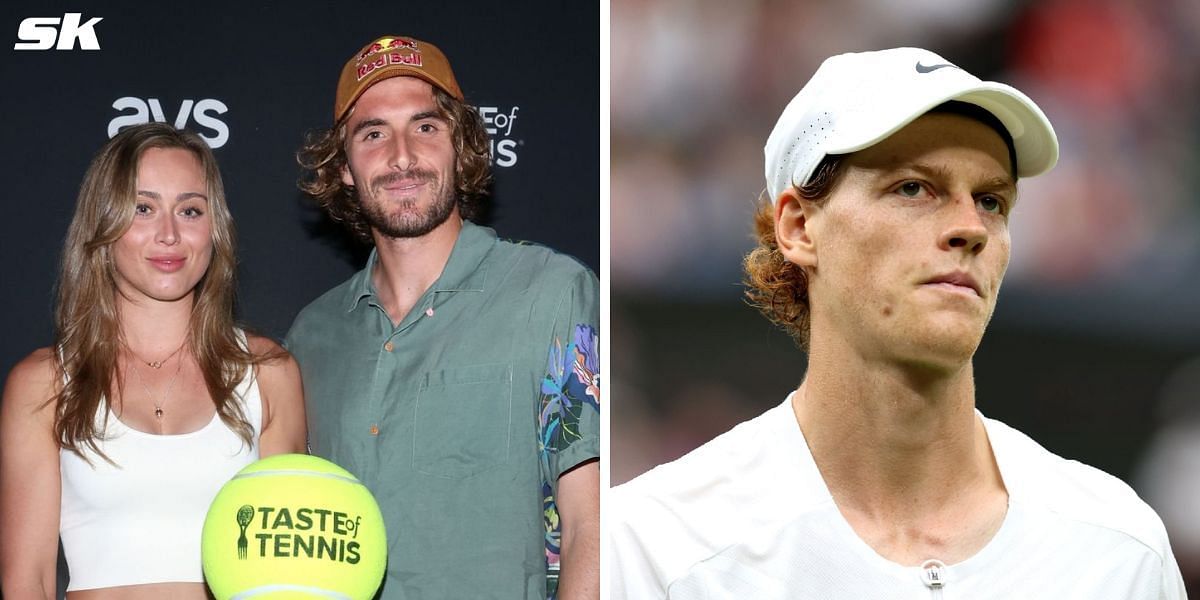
(463,421)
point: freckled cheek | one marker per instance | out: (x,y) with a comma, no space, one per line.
(865,273)
(876,258)
(1001,255)
(885,274)
(852,247)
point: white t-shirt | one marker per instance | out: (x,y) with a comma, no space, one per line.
(747,515)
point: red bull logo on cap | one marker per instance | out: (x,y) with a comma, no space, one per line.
(387,43)
(394,58)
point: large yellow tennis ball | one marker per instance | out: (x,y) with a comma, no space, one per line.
(294,526)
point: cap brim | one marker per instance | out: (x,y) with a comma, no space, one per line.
(393,71)
(1034,141)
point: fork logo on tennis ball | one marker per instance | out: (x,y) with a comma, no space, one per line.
(244,515)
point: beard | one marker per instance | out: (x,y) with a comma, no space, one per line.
(403,218)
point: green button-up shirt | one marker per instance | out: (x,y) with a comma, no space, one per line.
(461,418)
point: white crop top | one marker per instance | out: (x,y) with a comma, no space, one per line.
(140,522)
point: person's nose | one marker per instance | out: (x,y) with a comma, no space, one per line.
(168,229)
(401,157)
(965,228)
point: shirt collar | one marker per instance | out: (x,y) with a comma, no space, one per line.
(462,272)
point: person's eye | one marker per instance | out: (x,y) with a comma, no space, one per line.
(193,212)
(910,189)
(992,204)
(141,208)
(427,128)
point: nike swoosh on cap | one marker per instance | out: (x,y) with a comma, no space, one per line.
(931,68)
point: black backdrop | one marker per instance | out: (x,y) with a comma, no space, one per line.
(253,77)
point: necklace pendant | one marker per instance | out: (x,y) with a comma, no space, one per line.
(155,365)
(158,413)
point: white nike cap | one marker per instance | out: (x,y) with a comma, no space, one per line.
(856,100)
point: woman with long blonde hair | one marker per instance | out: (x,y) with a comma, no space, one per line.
(118,436)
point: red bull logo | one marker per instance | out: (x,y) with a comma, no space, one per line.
(412,59)
(386,44)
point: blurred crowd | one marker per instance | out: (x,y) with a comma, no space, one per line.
(696,86)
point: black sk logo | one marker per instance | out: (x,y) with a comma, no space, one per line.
(244,515)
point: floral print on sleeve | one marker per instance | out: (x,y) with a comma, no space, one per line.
(571,385)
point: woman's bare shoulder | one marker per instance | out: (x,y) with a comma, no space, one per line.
(32,381)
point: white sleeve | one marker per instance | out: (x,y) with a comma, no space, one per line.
(635,572)
(1172,579)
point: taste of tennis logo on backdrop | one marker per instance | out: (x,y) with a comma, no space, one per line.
(204,112)
(499,123)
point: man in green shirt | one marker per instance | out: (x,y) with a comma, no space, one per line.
(457,375)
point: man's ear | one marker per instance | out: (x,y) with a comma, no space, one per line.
(793,228)
(346,177)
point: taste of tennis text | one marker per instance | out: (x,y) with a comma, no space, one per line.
(331,534)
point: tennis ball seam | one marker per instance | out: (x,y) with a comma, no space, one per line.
(278,472)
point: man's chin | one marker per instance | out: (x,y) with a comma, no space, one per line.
(407,216)
(945,347)
(406,226)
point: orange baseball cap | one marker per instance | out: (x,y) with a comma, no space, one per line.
(392,56)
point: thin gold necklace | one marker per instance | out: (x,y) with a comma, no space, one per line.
(155,364)
(158,406)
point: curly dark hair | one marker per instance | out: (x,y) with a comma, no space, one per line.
(775,286)
(324,156)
